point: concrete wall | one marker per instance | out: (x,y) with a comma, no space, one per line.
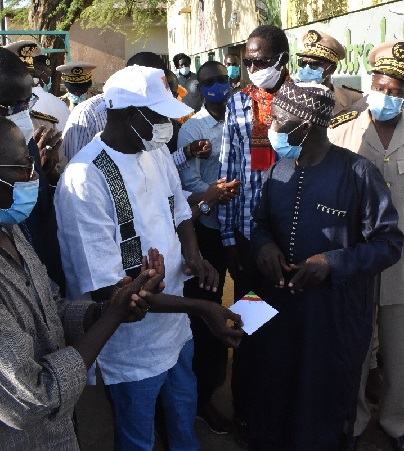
(210,27)
(110,50)
(156,41)
(105,50)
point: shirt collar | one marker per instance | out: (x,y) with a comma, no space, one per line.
(209,120)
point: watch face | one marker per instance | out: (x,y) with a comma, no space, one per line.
(204,207)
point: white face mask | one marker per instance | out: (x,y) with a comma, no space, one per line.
(23,121)
(162,133)
(266,78)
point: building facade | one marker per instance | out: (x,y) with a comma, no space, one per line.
(208,29)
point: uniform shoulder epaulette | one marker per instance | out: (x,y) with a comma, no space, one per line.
(43,116)
(352,89)
(343,118)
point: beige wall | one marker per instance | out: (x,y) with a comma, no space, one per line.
(156,42)
(200,32)
(110,50)
(106,51)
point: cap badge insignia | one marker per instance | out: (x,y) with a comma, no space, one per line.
(398,51)
(27,50)
(313,36)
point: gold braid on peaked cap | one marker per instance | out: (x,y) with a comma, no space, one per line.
(388,58)
(321,45)
(308,101)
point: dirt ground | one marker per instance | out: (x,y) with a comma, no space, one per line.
(95,421)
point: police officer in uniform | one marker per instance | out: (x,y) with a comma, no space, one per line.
(318,61)
(77,77)
(377,133)
(50,113)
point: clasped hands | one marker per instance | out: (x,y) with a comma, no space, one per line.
(221,192)
(133,299)
(310,272)
(122,301)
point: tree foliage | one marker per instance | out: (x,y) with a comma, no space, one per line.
(117,15)
(123,16)
(131,17)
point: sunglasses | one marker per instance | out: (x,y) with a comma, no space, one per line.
(30,167)
(312,64)
(262,63)
(222,79)
(18,107)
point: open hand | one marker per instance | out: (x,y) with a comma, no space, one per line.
(204,271)
(151,278)
(154,261)
(48,143)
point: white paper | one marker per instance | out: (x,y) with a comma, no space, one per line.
(254,314)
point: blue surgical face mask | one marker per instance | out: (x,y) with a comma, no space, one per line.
(383,107)
(306,74)
(233,71)
(47,87)
(185,71)
(280,143)
(217,93)
(25,195)
(77,99)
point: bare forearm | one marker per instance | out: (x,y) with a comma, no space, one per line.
(187,237)
(214,315)
(98,333)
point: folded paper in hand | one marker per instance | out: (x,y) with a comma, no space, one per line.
(254,312)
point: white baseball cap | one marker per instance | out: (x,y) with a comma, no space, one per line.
(143,86)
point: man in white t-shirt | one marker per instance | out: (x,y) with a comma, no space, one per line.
(119,196)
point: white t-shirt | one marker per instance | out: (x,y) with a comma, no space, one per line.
(89,238)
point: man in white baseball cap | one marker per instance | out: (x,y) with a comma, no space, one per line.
(118,197)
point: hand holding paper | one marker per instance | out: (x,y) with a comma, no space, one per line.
(254,312)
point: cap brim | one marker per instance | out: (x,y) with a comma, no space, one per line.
(171,108)
(314,55)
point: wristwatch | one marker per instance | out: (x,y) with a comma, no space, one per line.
(204,207)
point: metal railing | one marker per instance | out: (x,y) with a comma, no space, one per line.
(35,34)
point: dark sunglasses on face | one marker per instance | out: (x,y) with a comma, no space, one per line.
(18,107)
(312,64)
(261,63)
(30,167)
(211,81)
